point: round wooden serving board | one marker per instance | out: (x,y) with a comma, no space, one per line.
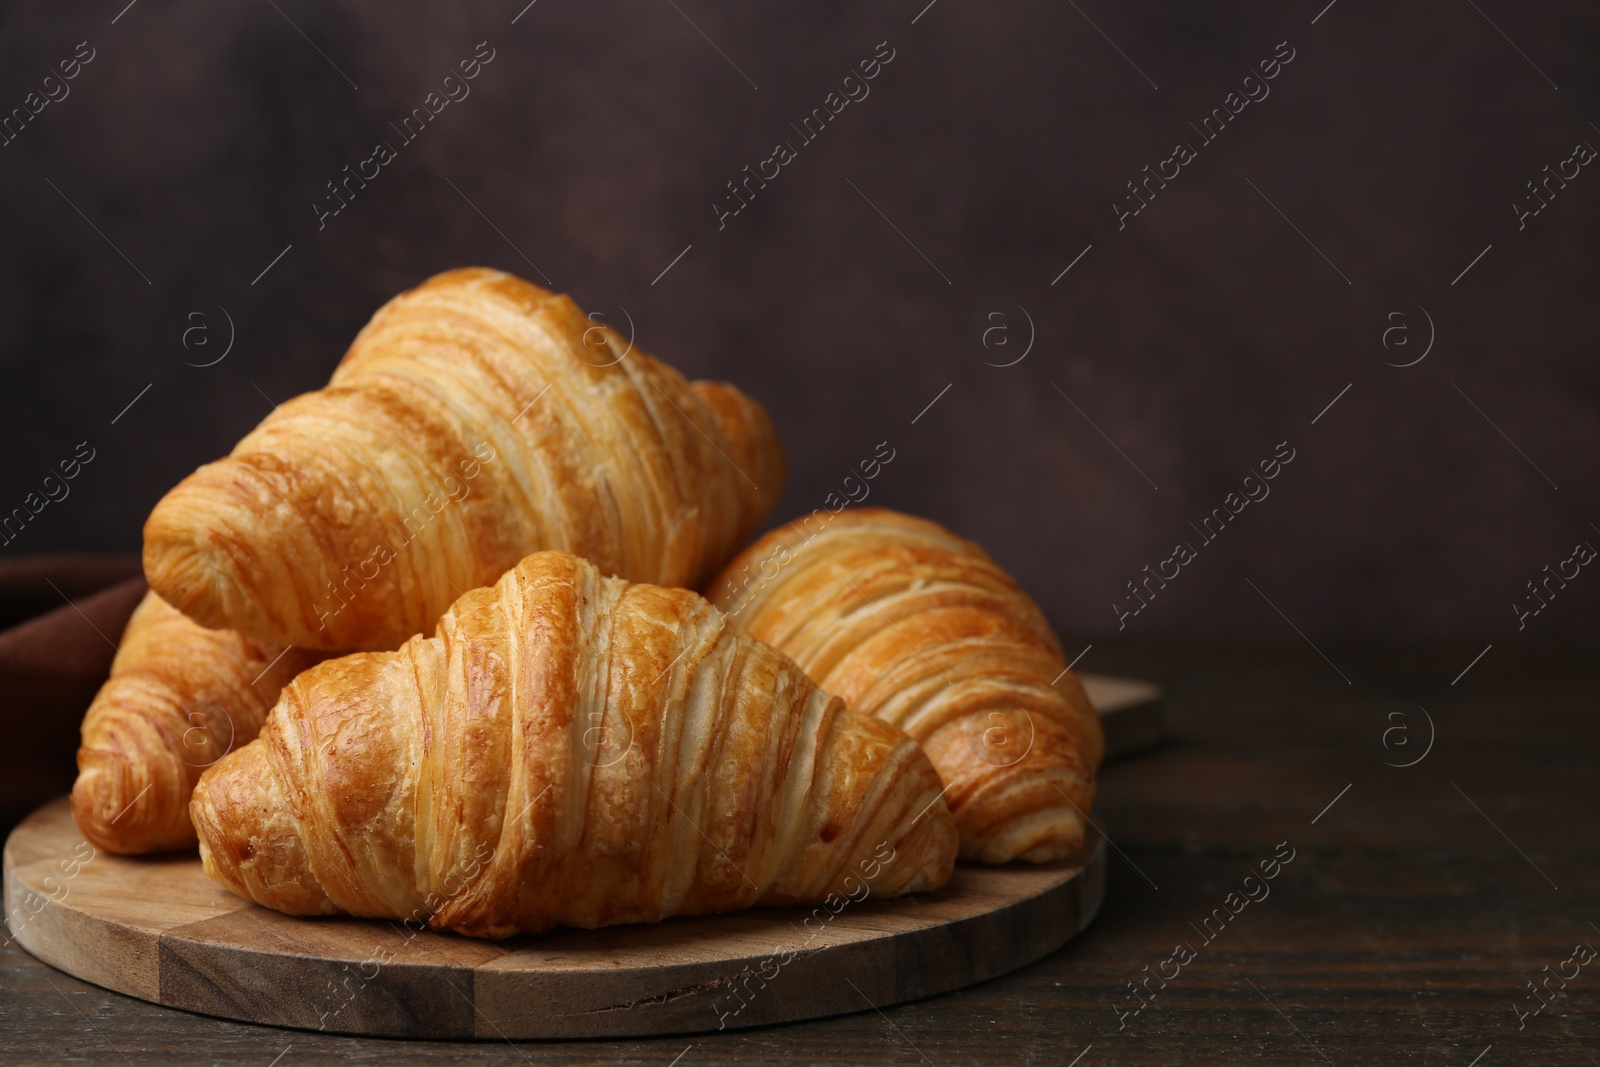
(159,929)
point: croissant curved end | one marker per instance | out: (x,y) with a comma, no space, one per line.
(246,843)
(1032,829)
(191,556)
(117,810)
(932,842)
(754,445)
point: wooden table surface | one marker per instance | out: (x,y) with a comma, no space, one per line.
(1419,903)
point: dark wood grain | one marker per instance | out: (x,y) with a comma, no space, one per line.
(1402,932)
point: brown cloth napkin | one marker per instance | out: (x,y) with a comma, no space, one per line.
(52,664)
(33,585)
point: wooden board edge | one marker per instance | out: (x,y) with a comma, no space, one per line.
(123,959)
(850,977)
(1132,713)
(168,968)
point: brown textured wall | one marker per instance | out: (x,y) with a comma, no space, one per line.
(890,257)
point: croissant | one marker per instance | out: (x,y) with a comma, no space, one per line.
(569,749)
(178,698)
(475,419)
(904,620)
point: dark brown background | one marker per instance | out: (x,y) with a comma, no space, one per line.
(1197,339)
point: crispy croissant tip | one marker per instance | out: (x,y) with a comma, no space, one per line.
(245,843)
(221,862)
(1038,836)
(753,442)
(118,810)
(935,839)
(186,567)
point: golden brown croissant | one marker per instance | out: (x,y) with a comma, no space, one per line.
(569,749)
(902,619)
(179,697)
(475,419)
